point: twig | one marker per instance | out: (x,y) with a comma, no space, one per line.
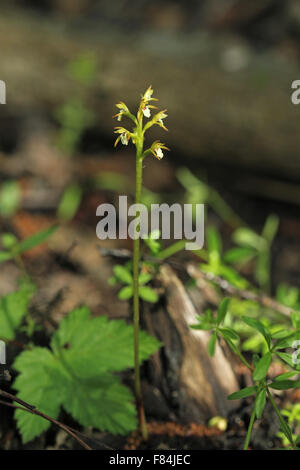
(17,407)
(262,299)
(31,409)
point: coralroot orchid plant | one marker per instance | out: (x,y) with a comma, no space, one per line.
(137,136)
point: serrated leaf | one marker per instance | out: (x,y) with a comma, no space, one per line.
(40,384)
(97,345)
(243,393)
(262,367)
(13,308)
(148,294)
(78,374)
(103,403)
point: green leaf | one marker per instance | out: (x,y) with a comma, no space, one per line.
(257,325)
(148,294)
(123,274)
(40,383)
(214,243)
(125,293)
(108,405)
(5,256)
(270,227)
(8,240)
(13,308)
(36,239)
(284,384)
(222,310)
(239,255)
(69,203)
(243,393)
(153,242)
(248,238)
(262,269)
(285,428)
(144,278)
(287,358)
(78,374)
(262,367)
(212,344)
(286,375)
(229,333)
(202,326)
(286,341)
(280,334)
(97,345)
(260,403)
(10,198)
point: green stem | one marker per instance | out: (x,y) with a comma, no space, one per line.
(284,426)
(136,303)
(250,427)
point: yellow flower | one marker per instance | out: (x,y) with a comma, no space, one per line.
(124,136)
(124,111)
(157,149)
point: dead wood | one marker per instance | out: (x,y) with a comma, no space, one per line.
(193,382)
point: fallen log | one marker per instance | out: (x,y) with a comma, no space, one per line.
(193,383)
(221,110)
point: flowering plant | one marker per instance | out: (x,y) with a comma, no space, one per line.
(137,136)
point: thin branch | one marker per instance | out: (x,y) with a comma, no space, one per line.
(31,409)
(260,298)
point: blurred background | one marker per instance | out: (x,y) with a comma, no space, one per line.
(224,71)
(222,68)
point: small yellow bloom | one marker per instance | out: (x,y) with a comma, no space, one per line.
(124,136)
(157,149)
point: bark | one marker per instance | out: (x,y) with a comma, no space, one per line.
(192,382)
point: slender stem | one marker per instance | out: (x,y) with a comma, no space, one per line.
(136,303)
(282,422)
(32,409)
(250,427)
